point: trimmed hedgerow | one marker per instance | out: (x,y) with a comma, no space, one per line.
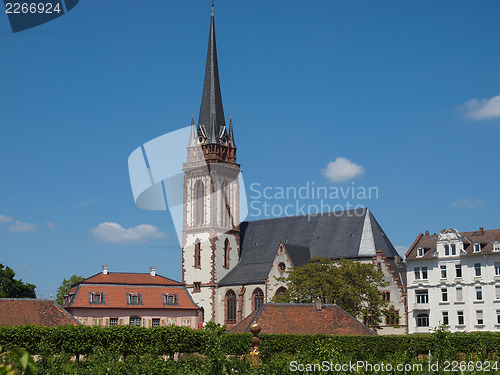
(130,340)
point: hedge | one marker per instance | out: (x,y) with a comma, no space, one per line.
(131,340)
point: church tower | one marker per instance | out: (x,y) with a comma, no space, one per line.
(211,243)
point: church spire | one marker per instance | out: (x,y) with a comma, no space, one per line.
(211,112)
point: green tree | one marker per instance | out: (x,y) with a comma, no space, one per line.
(354,286)
(66,286)
(11,288)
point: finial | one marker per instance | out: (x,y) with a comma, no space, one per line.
(212,7)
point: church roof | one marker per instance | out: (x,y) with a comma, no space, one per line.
(350,234)
(211,122)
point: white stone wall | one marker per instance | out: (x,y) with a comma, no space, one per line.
(272,285)
(397,299)
(469,304)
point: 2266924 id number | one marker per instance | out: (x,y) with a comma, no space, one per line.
(25,8)
(456,366)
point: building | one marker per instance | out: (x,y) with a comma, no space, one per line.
(230,268)
(303,319)
(40,312)
(454,279)
(140,299)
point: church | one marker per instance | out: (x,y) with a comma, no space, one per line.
(230,268)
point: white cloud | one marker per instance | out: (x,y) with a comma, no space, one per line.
(468,203)
(51,225)
(114,232)
(483,109)
(5,219)
(19,226)
(342,169)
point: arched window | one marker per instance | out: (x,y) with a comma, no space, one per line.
(258,299)
(201,316)
(281,290)
(230,307)
(226,253)
(199,201)
(423,320)
(224,205)
(197,254)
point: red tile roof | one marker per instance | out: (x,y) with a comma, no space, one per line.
(116,285)
(129,279)
(486,238)
(115,296)
(303,318)
(20,311)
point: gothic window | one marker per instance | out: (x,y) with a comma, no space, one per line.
(230,307)
(258,299)
(197,254)
(224,205)
(199,201)
(280,291)
(226,253)
(197,287)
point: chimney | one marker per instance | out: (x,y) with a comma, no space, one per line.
(152,271)
(104,270)
(317,304)
(481,230)
(426,232)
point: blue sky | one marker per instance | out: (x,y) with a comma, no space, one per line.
(397,95)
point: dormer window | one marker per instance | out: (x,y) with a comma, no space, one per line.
(477,247)
(170,299)
(420,252)
(453,249)
(134,298)
(496,246)
(96,298)
(446,250)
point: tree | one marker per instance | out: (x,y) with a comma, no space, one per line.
(11,288)
(66,286)
(354,286)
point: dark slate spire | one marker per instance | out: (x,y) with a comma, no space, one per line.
(211,112)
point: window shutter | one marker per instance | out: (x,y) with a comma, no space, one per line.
(140,298)
(103,301)
(162,321)
(90,297)
(120,321)
(164,297)
(150,322)
(128,298)
(106,322)
(176,302)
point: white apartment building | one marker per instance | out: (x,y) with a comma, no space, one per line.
(454,279)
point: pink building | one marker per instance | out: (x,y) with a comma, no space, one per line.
(140,299)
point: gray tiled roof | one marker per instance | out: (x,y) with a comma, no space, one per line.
(335,235)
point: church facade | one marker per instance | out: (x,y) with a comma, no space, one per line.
(230,268)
